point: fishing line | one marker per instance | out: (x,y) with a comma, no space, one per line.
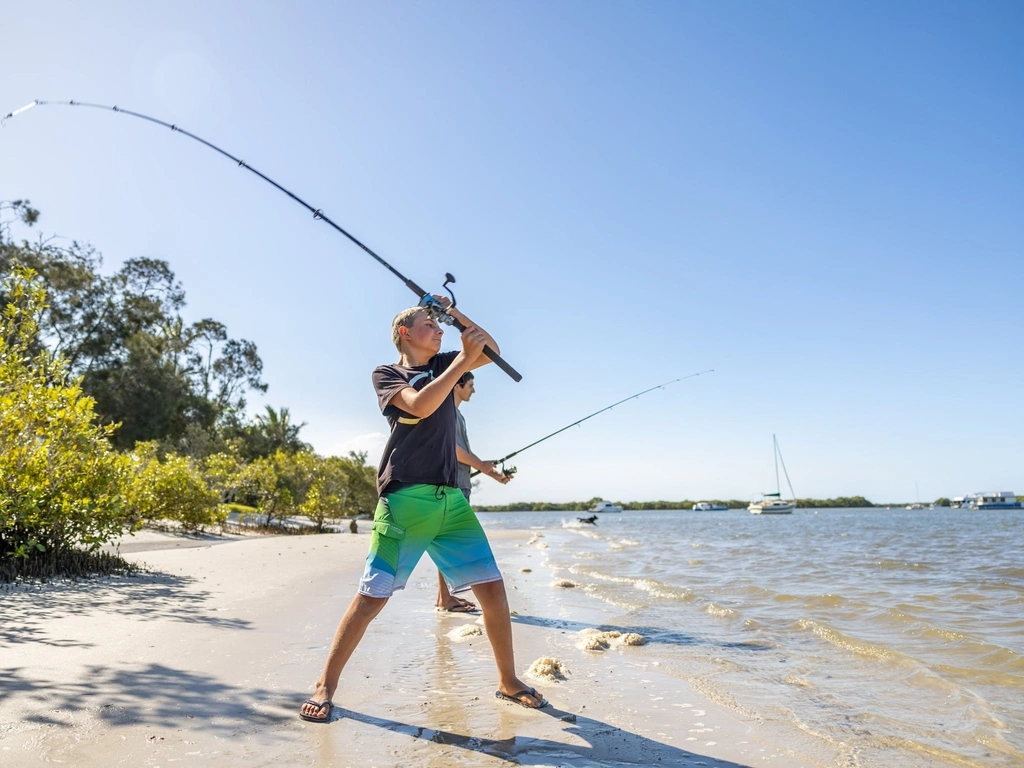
(512,470)
(431,305)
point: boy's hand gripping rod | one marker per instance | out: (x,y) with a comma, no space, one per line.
(426,300)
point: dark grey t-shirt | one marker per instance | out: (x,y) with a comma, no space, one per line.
(419,450)
(462,440)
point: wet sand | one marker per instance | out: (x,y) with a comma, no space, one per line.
(205,660)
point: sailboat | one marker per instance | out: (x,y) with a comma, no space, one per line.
(772,503)
(918,505)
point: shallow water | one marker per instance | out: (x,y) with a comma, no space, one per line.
(873,637)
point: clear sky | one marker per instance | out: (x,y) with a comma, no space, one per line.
(824,202)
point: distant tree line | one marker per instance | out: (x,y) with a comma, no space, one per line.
(685,504)
(115,412)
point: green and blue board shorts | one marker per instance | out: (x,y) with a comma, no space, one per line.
(435,519)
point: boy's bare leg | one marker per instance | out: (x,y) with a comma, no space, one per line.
(498,625)
(450,602)
(361,611)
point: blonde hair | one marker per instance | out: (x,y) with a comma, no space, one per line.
(405,318)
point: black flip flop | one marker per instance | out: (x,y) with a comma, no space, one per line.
(319,705)
(514,698)
(462,607)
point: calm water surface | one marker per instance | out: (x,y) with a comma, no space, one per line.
(872,637)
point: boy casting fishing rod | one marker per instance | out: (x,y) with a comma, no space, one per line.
(421,508)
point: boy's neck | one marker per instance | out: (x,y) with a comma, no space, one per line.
(412,359)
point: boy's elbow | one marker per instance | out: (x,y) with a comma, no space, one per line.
(419,410)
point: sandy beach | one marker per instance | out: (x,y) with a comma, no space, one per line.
(205,659)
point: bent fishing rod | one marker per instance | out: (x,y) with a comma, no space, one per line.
(431,305)
(508,472)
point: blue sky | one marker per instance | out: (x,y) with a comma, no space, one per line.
(822,202)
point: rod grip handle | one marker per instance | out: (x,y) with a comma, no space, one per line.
(497,359)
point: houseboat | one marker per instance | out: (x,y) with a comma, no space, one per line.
(994,500)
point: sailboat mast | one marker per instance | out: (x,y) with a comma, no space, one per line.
(778,452)
(775,447)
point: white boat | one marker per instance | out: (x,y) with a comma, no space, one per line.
(771,506)
(994,500)
(917,504)
(773,503)
(704,506)
(605,506)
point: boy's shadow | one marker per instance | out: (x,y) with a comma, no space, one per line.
(606,744)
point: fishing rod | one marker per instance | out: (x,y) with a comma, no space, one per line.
(508,472)
(431,305)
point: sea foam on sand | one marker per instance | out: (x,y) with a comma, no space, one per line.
(465,632)
(549,669)
(597,640)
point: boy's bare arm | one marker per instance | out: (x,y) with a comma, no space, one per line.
(488,468)
(489,340)
(427,400)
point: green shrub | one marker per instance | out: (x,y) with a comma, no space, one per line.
(173,489)
(61,484)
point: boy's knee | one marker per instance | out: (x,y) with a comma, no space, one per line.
(370,606)
(490,588)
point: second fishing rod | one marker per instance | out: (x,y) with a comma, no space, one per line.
(509,471)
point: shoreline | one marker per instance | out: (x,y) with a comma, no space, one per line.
(208,655)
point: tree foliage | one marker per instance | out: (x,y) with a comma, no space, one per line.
(61,483)
(171,490)
(271,432)
(93,363)
(124,335)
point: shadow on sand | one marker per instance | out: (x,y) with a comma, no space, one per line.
(148,694)
(26,611)
(605,745)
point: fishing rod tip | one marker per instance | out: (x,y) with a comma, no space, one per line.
(9,115)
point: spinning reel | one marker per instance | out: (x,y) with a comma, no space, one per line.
(437,312)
